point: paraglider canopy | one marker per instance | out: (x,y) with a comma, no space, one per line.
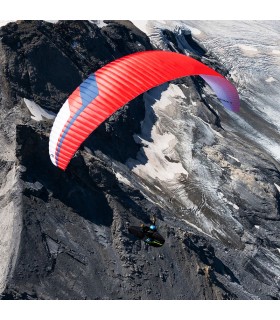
(115,84)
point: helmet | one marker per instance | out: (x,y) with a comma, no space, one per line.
(153,227)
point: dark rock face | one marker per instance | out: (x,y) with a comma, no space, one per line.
(75,237)
(74,242)
(45,61)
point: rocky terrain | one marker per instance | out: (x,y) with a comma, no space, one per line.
(173,152)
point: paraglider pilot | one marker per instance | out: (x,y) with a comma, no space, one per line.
(148,234)
(152,237)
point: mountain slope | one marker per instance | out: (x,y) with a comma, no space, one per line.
(173,152)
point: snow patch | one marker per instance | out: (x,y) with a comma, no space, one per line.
(248,50)
(52,21)
(222,197)
(175,91)
(157,145)
(157,188)
(197,228)
(37,112)
(257,227)
(142,25)
(99,23)
(277,187)
(234,158)
(157,167)
(270,79)
(4,22)
(275,51)
(122,179)
(194,31)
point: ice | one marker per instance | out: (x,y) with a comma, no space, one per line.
(246,50)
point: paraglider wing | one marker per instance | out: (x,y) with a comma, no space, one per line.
(115,84)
